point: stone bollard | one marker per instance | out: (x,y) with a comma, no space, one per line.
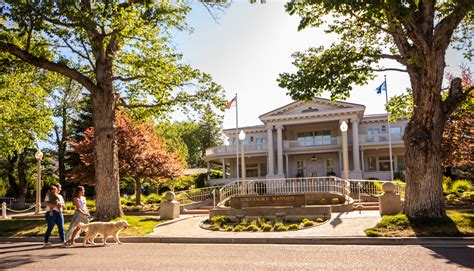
(170,208)
(390,203)
(4,211)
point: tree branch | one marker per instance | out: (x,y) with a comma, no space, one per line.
(48,65)
(389,69)
(445,28)
(455,96)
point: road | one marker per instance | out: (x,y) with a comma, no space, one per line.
(30,256)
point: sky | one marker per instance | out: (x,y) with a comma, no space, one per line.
(251,44)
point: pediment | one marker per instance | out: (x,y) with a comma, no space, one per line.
(315,106)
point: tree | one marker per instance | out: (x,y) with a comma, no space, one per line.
(415,34)
(65,102)
(120,52)
(142,154)
(25,119)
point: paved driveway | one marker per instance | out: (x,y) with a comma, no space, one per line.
(340,224)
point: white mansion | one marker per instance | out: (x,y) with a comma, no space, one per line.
(303,139)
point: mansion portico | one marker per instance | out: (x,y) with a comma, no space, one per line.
(303,139)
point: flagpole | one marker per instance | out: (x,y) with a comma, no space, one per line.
(237,133)
(389,134)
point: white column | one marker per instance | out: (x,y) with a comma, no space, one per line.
(280,150)
(362,158)
(270,156)
(287,166)
(345,154)
(355,144)
(224,169)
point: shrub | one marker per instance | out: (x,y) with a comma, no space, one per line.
(153,198)
(461,186)
(215,227)
(372,233)
(239,228)
(244,222)
(331,173)
(280,228)
(293,227)
(302,219)
(266,227)
(219,219)
(308,223)
(323,201)
(399,175)
(252,227)
(126,202)
(468,196)
(228,228)
(319,220)
(335,201)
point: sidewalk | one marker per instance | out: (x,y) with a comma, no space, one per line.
(350,224)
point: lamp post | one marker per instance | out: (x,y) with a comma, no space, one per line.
(38,156)
(345,157)
(242,138)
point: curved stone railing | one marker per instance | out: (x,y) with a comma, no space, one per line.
(309,185)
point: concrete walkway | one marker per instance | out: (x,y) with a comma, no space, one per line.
(340,225)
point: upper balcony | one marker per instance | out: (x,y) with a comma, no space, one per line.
(306,143)
(380,138)
(231,149)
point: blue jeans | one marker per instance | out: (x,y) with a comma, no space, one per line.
(56,219)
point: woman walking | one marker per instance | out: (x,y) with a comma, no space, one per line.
(54,213)
(81,214)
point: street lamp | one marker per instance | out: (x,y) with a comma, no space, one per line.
(242,138)
(343,128)
(38,156)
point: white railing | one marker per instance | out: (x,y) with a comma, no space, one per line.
(198,194)
(381,138)
(285,186)
(229,149)
(301,143)
(373,188)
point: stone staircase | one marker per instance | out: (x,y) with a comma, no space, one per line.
(366,206)
(199,210)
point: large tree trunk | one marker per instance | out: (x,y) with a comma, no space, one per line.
(106,155)
(62,148)
(423,135)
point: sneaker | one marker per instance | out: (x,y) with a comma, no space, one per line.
(47,245)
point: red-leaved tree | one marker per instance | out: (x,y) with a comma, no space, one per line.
(142,154)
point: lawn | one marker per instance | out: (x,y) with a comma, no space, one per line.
(138,226)
(456,223)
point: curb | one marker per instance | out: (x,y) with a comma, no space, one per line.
(386,241)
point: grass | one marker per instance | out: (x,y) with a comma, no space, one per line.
(456,223)
(262,224)
(138,226)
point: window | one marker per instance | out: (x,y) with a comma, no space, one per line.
(329,165)
(372,135)
(305,139)
(384,163)
(251,170)
(260,142)
(300,168)
(263,169)
(401,162)
(372,164)
(396,133)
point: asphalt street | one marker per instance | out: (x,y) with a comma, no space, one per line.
(31,256)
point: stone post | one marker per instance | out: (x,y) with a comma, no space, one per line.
(390,203)
(170,208)
(4,211)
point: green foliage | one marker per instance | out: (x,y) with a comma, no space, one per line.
(399,175)
(335,201)
(319,220)
(372,233)
(308,223)
(280,227)
(266,227)
(239,227)
(461,186)
(220,220)
(252,227)
(153,198)
(293,227)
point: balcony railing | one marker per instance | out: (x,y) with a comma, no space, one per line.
(302,143)
(230,149)
(381,138)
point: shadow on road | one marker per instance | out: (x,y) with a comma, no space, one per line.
(19,260)
(336,221)
(454,255)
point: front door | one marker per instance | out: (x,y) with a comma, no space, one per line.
(315,168)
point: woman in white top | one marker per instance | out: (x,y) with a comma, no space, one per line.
(80,215)
(55,217)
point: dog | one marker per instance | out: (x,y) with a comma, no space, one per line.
(104,229)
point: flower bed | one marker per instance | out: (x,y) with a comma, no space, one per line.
(223,223)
